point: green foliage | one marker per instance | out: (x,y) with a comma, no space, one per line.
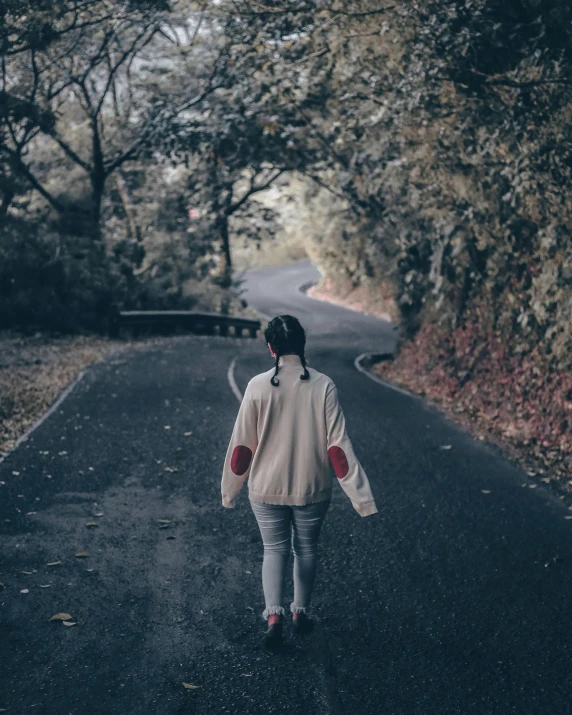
(51,280)
(439,134)
(446,126)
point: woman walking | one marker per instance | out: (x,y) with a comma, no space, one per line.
(289,432)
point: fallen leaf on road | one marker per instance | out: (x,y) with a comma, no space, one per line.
(69,623)
(90,570)
(189,686)
(16,474)
(2,585)
(167,426)
(92,523)
(545,479)
(165,521)
(45,585)
(532,486)
(486,491)
(62,453)
(31,513)
(24,590)
(61,617)
(28,573)
(164,526)
(247,675)
(446,446)
(54,563)
(81,554)
(187,434)
(99,513)
(568,517)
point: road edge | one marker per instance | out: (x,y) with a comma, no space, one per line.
(370,359)
(232,381)
(50,411)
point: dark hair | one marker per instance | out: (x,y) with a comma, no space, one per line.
(286,336)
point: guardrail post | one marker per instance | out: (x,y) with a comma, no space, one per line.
(168,321)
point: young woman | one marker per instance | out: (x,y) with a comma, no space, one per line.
(289,433)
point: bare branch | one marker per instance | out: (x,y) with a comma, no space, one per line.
(323,184)
(25,170)
(254,189)
(269,10)
(314,54)
(70,152)
(199,23)
(130,51)
(379,11)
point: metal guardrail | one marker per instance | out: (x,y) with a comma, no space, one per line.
(166,321)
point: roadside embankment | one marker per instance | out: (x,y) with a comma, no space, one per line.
(34,369)
(511,400)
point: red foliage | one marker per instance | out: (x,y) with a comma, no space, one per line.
(512,395)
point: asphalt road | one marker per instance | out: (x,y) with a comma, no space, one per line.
(454,599)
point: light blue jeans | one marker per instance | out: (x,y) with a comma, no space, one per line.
(285,528)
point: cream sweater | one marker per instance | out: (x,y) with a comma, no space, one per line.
(287,440)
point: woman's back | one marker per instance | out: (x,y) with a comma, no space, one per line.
(287,438)
(291,461)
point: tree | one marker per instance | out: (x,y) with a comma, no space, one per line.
(91,81)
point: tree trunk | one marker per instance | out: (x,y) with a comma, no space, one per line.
(134,232)
(6,201)
(225,266)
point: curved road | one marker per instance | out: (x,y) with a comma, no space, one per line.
(454,599)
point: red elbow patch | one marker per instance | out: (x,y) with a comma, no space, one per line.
(339,461)
(240,459)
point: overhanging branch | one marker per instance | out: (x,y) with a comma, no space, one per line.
(254,189)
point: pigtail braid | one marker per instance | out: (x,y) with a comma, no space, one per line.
(306,375)
(274,379)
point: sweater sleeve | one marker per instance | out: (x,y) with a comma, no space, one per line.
(348,470)
(241,449)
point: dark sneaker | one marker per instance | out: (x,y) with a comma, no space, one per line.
(302,624)
(273,637)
